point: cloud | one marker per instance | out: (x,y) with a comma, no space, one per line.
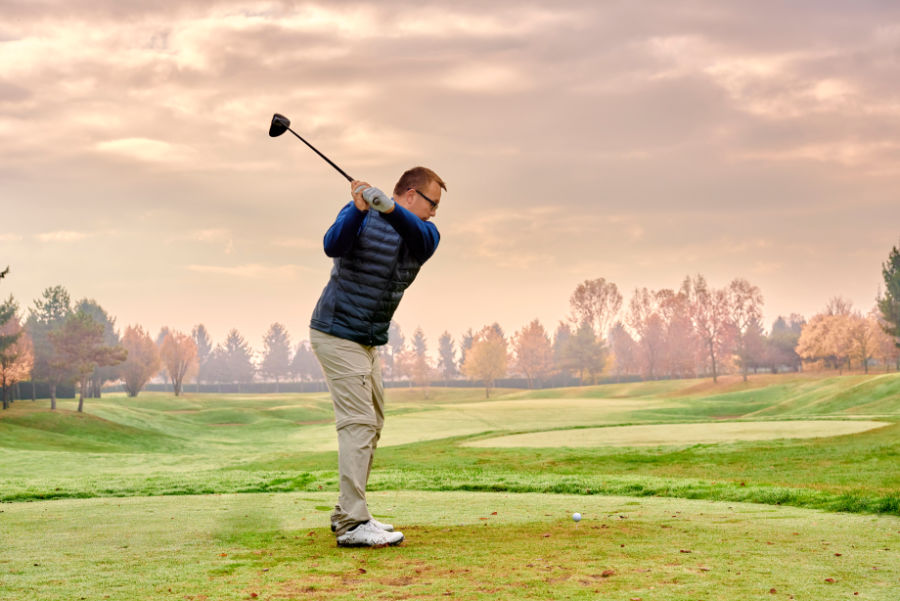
(61,236)
(147,150)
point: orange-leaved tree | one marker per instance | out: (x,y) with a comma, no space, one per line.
(534,352)
(178,353)
(142,362)
(16,357)
(486,359)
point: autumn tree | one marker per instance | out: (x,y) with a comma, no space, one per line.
(596,302)
(863,333)
(682,351)
(745,303)
(827,339)
(178,353)
(645,320)
(487,358)
(276,361)
(16,352)
(533,352)
(709,308)
(142,361)
(447,357)
(889,302)
(80,348)
(48,315)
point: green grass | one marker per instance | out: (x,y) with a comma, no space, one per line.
(148,497)
(199,444)
(471,546)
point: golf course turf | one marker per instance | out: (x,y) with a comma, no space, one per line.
(227,496)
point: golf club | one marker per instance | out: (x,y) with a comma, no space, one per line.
(280,124)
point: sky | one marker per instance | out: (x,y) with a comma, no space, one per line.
(640,142)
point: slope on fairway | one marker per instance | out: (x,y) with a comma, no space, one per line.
(472,545)
(679,434)
(459,419)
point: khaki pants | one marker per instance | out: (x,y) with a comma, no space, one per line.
(353,372)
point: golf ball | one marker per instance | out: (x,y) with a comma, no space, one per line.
(576,516)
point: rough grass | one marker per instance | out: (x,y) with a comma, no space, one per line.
(470,546)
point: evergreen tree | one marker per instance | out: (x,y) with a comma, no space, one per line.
(104,374)
(304,365)
(204,349)
(238,359)
(47,316)
(889,304)
(80,349)
(276,362)
(447,354)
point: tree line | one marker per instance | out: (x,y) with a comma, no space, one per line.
(696,330)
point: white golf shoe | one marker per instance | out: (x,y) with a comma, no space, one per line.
(376,523)
(369,535)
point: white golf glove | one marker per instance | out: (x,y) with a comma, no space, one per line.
(378,200)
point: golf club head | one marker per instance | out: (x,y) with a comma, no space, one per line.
(280,124)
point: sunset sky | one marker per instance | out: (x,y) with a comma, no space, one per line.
(635,141)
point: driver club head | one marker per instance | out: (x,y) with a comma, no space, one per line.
(280,124)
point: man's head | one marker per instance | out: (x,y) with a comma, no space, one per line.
(419,191)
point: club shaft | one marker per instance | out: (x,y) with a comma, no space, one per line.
(314,149)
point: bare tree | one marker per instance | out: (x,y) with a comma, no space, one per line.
(710,318)
(596,302)
(644,318)
(745,312)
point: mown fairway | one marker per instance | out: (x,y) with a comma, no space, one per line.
(442,472)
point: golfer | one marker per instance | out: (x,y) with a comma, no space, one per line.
(378,245)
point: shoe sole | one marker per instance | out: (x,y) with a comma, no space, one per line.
(356,545)
(334,528)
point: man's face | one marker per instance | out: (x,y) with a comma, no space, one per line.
(418,205)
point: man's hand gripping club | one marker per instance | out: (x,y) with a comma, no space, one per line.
(365,196)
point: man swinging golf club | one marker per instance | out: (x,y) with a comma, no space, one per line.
(378,245)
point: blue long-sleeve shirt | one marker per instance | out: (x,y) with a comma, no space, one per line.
(421,237)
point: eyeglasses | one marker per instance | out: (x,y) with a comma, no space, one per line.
(434,205)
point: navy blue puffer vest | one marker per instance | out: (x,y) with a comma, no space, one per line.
(366,285)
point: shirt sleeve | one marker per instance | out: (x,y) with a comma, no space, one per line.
(420,236)
(340,236)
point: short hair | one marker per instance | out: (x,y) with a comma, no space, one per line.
(417,177)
